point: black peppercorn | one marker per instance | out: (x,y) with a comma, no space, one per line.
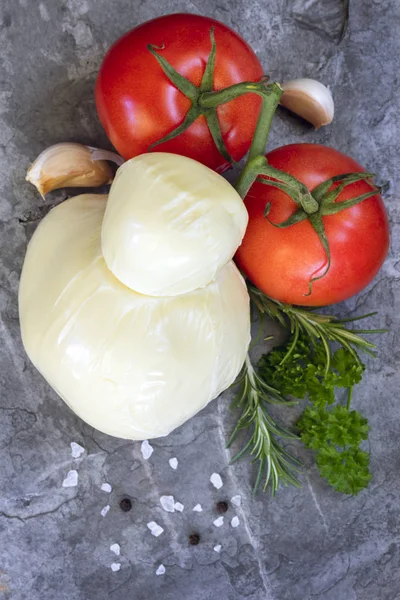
(125,504)
(221,506)
(194,539)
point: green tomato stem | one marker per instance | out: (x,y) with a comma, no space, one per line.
(299,192)
(270,101)
(212,99)
(249,174)
(256,160)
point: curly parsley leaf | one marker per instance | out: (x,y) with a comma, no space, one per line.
(349,369)
(346,471)
(288,377)
(339,427)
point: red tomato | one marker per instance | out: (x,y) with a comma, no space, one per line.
(138,105)
(281,262)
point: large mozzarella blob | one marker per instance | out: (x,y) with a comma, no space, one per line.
(171,224)
(132,366)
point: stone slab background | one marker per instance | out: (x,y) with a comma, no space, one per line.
(308,544)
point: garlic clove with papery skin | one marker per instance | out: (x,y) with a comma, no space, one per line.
(309,99)
(69,165)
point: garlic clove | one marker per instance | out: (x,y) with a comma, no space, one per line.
(68,165)
(309,99)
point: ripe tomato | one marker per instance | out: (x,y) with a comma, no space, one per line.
(138,105)
(281,262)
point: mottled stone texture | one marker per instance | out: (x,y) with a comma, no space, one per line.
(305,544)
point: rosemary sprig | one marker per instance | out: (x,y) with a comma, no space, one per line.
(274,462)
(317,327)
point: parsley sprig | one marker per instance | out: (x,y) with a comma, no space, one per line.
(329,428)
(307,366)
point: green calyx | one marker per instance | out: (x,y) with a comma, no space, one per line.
(204,101)
(315,205)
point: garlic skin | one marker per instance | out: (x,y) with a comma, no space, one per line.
(130,365)
(170,225)
(309,99)
(68,165)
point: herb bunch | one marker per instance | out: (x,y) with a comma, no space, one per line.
(308,366)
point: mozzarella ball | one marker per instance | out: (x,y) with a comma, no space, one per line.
(130,365)
(171,224)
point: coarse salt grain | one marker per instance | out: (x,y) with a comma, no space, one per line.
(115,567)
(155,529)
(173,463)
(168,503)
(71,479)
(160,570)
(219,522)
(179,507)
(106,487)
(236,500)
(216,480)
(105,510)
(217,548)
(235,521)
(116,548)
(146,449)
(76,450)
(198,508)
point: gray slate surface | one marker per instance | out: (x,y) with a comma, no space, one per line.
(305,544)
